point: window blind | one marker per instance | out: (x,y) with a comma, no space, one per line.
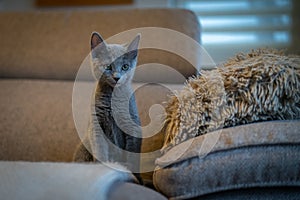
(231,26)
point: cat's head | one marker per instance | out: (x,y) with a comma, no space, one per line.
(113,64)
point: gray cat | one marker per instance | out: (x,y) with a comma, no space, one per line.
(114,133)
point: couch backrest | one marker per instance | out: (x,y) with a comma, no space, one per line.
(53,44)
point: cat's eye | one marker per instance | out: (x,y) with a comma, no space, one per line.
(125,67)
(108,67)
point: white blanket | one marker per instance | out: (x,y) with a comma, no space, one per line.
(48,181)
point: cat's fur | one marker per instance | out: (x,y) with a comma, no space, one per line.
(114,128)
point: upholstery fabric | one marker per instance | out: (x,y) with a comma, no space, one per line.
(36,120)
(131,191)
(53,44)
(263,133)
(256,155)
(38,180)
(249,167)
(258,193)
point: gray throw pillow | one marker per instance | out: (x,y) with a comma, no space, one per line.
(256,155)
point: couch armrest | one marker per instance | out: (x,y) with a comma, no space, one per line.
(35,181)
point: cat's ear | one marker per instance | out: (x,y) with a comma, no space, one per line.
(132,48)
(96,39)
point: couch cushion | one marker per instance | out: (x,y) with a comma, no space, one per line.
(255,155)
(36,120)
(53,44)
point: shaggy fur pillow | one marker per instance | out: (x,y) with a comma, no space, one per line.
(258,86)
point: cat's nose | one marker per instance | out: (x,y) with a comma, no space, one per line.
(116,79)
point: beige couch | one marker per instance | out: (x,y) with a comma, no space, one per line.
(40,55)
